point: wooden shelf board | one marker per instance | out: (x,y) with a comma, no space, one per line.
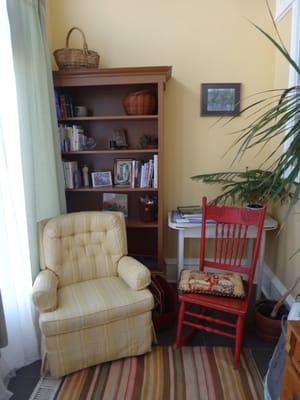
(112,189)
(136,223)
(109,118)
(107,151)
(61,77)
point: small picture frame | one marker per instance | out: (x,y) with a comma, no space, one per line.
(115,202)
(101,179)
(120,137)
(122,172)
(220,99)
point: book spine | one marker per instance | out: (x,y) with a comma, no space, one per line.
(155,171)
(63,106)
(69,105)
(133,167)
(138,166)
(150,178)
(142,175)
(69,168)
(68,175)
(75,138)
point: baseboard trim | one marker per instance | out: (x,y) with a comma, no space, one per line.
(272,287)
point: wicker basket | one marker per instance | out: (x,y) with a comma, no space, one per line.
(76,58)
(140,103)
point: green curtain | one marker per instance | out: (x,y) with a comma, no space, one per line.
(42,167)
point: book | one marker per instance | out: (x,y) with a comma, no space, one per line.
(177,218)
(115,202)
(137,173)
(155,171)
(190,211)
(63,106)
(69,169)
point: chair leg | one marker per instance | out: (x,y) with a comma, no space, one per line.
(238,340)
(179,325)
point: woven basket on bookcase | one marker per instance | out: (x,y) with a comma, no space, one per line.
(140,103)
(76,58)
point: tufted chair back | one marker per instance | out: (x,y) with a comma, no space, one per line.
(83,246)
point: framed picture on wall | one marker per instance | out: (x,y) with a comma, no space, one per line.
(220,99)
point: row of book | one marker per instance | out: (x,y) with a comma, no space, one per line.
(145,173)
(64,105)
(72,138)
(139,174)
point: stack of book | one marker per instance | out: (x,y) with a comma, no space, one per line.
(72,138)
(192,214)
(187,215)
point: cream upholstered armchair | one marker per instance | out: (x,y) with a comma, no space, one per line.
(92,298)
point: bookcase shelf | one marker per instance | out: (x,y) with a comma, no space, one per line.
(106,151)
(109,118)
(111,189)
(102,92)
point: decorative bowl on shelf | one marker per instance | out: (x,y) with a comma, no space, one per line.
(140,103)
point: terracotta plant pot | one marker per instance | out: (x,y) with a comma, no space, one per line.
(267,328)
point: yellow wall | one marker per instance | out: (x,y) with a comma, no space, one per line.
(204,41)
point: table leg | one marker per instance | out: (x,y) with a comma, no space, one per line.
(180,252)
(260,265)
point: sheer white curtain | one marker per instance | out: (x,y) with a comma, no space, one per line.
(41,163)
(30,172)
(15,268)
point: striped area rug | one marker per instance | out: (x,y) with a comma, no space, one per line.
(190,373)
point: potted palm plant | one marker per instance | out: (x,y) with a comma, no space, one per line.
(252,188)
(276,115)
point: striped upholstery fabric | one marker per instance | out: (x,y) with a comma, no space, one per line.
(67,353)
(101,314)
(44,293)
(112,300)
(83,246)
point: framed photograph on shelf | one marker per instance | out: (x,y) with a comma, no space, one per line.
(119,137)
(220,98)
(115,202)
(122,172)
(101,179)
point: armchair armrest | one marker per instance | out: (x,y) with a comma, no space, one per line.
(134,273)
(44,291)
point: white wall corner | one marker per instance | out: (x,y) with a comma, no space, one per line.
(272,287)
(282,7)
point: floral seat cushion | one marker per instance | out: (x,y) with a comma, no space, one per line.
(220,284)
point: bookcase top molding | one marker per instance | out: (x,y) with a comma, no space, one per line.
(106,76)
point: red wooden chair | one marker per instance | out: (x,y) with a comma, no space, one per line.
(229,249)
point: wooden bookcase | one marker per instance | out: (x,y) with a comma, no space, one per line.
(102,91)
